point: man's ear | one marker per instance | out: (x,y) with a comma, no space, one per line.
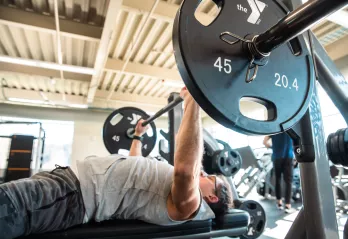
(213,198)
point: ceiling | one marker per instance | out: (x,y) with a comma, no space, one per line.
(102,53)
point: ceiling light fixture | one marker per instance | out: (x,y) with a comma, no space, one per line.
(47,65)
(177,84)
(80,106)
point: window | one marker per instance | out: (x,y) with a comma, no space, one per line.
(234,139)
(58,141)
(332,118)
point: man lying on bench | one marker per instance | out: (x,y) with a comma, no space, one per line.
(118,187)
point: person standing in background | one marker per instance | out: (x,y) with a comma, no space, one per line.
(282,157)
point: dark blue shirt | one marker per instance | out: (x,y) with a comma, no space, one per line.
(282,146)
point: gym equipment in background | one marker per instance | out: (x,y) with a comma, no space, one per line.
(337,147)
(216,160)
(257,217)
(255,172)
(20,157)
(24,159)
(118,127)
(174,121)
(266,187)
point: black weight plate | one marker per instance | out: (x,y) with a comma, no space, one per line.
(234,162)
(224,144)
(285,84)
(118,123)
(237,158)
(257,219)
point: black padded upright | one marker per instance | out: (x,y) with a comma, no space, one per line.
(122,229)
(174,120)
(20,155)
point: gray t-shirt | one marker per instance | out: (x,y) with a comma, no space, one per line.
(119,187)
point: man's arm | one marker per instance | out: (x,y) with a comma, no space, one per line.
(140,130)
(185,194)
(267,142)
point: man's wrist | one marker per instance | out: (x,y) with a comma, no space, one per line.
(137,137)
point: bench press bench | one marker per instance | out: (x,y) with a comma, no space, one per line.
(234,223)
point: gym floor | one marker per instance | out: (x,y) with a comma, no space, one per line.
(279,223)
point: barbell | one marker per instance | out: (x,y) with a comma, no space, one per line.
(237,57)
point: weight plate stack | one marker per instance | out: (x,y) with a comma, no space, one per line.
(214,71)
(337,147)
(117,128)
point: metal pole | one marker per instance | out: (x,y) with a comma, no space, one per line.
(38,151)
(318,201)
(296,22)
(331,79)
(298,228)
(162,111)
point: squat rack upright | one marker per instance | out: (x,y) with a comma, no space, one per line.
(317,218)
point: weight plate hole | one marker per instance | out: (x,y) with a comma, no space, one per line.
(251,206)
(234,154)
(149,132)
(222,162)
(116,119)
(259,226)
(208,6)
(257,109)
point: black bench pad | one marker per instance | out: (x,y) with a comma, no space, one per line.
(137,229)
(126,229)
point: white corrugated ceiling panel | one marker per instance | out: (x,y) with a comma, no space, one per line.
(37,45)
(45,84)
(84,11)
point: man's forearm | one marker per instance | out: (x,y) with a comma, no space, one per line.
(189,147)
(135,149)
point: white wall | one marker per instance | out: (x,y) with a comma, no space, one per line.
(88,126)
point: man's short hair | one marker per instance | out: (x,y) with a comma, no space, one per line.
(224,195)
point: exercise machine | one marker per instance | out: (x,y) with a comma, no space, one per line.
(24,158)
(256,171)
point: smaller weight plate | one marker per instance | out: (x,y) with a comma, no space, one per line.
(235,161)
(122,121)
(257,219)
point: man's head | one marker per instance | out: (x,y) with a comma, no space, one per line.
(216,192)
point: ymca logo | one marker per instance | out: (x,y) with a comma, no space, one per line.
(257,8)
